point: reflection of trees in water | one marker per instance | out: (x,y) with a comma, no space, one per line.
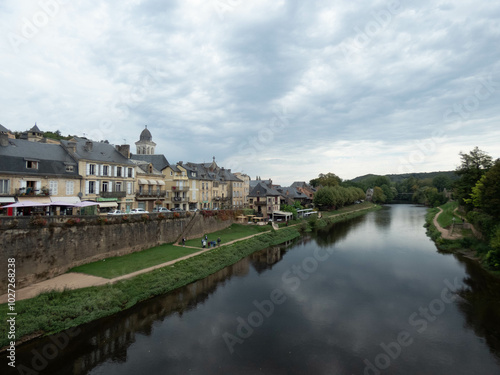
(338,231)
(265,259)
(481,304)
(109,338)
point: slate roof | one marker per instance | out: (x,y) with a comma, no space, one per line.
(101,152)
(159,161)
(35,129)
(52,158)
(293,193)
(146,135)
(3,129)
(262,190)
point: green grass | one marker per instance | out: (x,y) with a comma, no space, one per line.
(234,232)
(352,207)
(446,217)
(122,265)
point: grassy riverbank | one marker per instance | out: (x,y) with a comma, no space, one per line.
(53,312)
(468,246)
(125,264)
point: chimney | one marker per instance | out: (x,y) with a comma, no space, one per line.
(88,145)
(4,139)
(124,150)
(71,147)
(180,163)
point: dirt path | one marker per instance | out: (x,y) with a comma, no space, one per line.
(445,233)
(74,280)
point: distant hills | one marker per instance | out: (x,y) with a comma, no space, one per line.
(401,177)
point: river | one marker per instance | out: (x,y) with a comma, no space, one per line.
(368,296)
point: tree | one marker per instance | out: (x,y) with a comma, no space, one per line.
(324,197)
(441,182)
(387,192)
(474,165)
(329,179)
(486,193)
(378,195)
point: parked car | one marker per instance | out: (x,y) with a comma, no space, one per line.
(194,210)
(161,209)
(115,212)
(139,211)
(177,209)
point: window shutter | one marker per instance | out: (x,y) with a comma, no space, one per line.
(86,187)
(110,187)
(88,169)
(97,187)
(133,173)
(23,184)
(114,170)
(38,186)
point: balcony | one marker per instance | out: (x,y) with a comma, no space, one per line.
(150,194)
(260,203)
(179,199)
(113,194)
(177,188)
(180,178)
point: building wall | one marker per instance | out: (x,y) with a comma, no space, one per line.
(43,253)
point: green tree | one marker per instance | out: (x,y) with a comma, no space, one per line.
(378,195)
(486,193)
(389,196)
(324,198)
(473,166)
(441,182)
(329,179)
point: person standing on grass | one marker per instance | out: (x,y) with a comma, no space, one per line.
(183,241)
(218,241)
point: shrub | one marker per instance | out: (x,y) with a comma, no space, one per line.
(145,217)
(177,215)
(102,220)
(38,221)
(160,217)
(72,221)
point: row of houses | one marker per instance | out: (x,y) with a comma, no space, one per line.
(38,169)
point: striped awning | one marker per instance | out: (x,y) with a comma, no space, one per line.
(160,182)
(152,182)
(143,182)
(107,204)
(72,200)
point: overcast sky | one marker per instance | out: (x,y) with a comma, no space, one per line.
(280,89)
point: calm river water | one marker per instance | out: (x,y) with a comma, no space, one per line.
(368,296)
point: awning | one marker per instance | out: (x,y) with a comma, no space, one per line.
(7,200)
(70,200)
(86,204)
(107,204)
(26,204)
(42,200)
(143,182)
(160,182)
(152,182)
(282,213)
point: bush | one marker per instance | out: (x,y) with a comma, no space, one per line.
(38,221)
(145,217)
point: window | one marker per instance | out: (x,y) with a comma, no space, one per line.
(70,187)
(118,186)
(30,164)
(193,174)
(105,170)
(53,187)
(70,168)
(92,169)
(4,186)
(158,191)
(118,171)
(104,186)
(92,185)
(130,172)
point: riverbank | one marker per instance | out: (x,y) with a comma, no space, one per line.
(55,311)
(464,243)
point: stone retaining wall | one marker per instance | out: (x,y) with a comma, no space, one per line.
(42,253)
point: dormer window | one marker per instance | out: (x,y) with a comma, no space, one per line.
(31,164)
